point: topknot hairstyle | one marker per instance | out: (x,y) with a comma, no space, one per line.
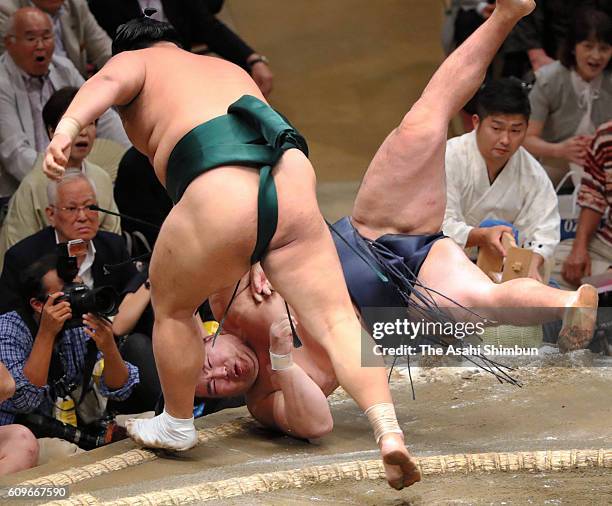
(143,32)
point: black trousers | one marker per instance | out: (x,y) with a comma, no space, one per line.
(138,350)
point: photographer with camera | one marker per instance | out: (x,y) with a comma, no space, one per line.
(52,352)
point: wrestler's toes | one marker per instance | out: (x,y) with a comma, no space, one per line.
(412,476)
(401,470)
(401,475)
(131,426)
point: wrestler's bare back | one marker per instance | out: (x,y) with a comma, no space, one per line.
(164,110)
(157,112)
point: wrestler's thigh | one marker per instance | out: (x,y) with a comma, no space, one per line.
(308,275)
(404,189)
(302,262)
(448,270)
(191,260)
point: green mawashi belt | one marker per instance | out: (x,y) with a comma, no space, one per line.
(251,134)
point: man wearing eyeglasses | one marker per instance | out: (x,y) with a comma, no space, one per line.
(78,36)
(30,72)
(71,218)
(26,212)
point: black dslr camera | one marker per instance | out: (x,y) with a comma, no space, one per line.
(101,301)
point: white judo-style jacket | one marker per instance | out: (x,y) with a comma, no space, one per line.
(522,194)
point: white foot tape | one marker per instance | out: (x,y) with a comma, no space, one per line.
(163,431)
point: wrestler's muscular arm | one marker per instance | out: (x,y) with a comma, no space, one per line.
(117,83)
(299,408)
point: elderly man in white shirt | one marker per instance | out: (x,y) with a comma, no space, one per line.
(29,74)
(492,179)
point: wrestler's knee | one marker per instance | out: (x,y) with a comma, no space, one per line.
(423,123)
(318,430)
(24,444)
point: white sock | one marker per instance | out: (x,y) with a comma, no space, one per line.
(164,431)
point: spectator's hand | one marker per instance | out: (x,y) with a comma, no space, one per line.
(262,75)
(574,149)
(281,337)
(100,330)
(56,156)
(538,59)
(260,286)
(487,11)
(54,315)
(576,266)
(491,237)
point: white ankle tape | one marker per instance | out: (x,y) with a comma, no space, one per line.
(68,126)
(280,362)
(383,420)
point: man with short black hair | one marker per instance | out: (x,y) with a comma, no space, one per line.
(494,186)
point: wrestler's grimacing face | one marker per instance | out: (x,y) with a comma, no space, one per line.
(230,368)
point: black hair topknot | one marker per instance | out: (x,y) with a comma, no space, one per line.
(143,32)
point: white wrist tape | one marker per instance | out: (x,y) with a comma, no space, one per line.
(68,126)
(280,362)
(383,420)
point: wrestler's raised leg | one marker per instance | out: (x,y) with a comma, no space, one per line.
(404,189)
(448,270)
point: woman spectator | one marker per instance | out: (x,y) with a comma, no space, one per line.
(573,96)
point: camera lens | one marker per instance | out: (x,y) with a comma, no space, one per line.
(103,300)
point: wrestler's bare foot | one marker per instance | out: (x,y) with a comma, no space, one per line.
(163,431)
(401,469)
(515,9)
(579,320)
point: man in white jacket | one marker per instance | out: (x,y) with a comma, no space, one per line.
(494,185)
(30,72)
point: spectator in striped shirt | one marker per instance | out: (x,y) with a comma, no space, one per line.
(591,251)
